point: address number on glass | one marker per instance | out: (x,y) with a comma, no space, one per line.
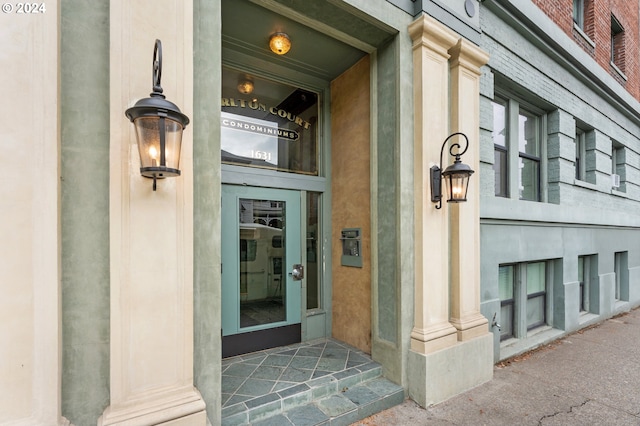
(261,155)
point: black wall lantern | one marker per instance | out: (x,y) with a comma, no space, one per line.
(159,124)
(456,175)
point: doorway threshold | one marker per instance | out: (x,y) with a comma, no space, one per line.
(318,382)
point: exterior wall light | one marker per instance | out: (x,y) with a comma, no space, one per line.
(245,86)
(280,43)
(159,124)
(456,175)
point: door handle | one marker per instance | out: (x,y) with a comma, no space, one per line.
(298,272)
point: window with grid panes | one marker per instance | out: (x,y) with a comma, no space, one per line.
(617,44)
(617,164)
(581,154)
(518,140)
(529,155)
(578,13)
(587,274)
(621,269)
(499,136)
(507,302)
(536,294)
(522,289)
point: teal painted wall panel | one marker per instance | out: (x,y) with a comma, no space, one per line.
(511,242)
(207,69)
(387,195)
(85,209)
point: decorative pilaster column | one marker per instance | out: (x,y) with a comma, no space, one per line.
(446,97)
(431,43)
(466,60)
(151,233)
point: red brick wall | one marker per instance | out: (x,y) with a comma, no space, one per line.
(597,26)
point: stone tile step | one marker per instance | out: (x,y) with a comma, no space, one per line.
(342,408)
(334,399)
(283,400)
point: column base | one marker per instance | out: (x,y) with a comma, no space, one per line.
(470,327)
(434,338)
(438,376)
(175,408)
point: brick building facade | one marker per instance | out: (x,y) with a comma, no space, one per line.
(560,167)
(607,30)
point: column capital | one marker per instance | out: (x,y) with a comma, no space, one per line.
(468,55)
(428,32)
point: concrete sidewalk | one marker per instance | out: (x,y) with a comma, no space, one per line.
(591,377)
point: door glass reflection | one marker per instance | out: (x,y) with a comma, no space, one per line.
(262,261)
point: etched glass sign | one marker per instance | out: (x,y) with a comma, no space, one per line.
(267,124)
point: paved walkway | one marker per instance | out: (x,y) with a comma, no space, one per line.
(591,377)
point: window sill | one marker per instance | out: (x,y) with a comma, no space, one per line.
(619,71)
(619,193)
(535,338)
(620,306)
(584,35)
(585,184)
(587,318)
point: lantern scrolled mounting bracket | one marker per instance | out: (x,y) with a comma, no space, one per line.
(159,125)
(456,176)
(157,69)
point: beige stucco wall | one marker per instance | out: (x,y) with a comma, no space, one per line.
(151,232)
(351,202)
(29,230)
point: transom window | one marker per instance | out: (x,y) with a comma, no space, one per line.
(267,124)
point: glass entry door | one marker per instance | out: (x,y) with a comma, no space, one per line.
(261,272)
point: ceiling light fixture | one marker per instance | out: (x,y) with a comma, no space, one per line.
(280,43)
(245,86)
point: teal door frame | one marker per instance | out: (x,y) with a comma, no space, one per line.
(316,323)
(231,195)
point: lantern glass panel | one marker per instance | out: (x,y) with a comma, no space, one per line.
(457,187)
(148,134)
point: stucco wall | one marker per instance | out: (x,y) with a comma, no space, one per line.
(206,204)
(350,162)
(30,205)
(85,210)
